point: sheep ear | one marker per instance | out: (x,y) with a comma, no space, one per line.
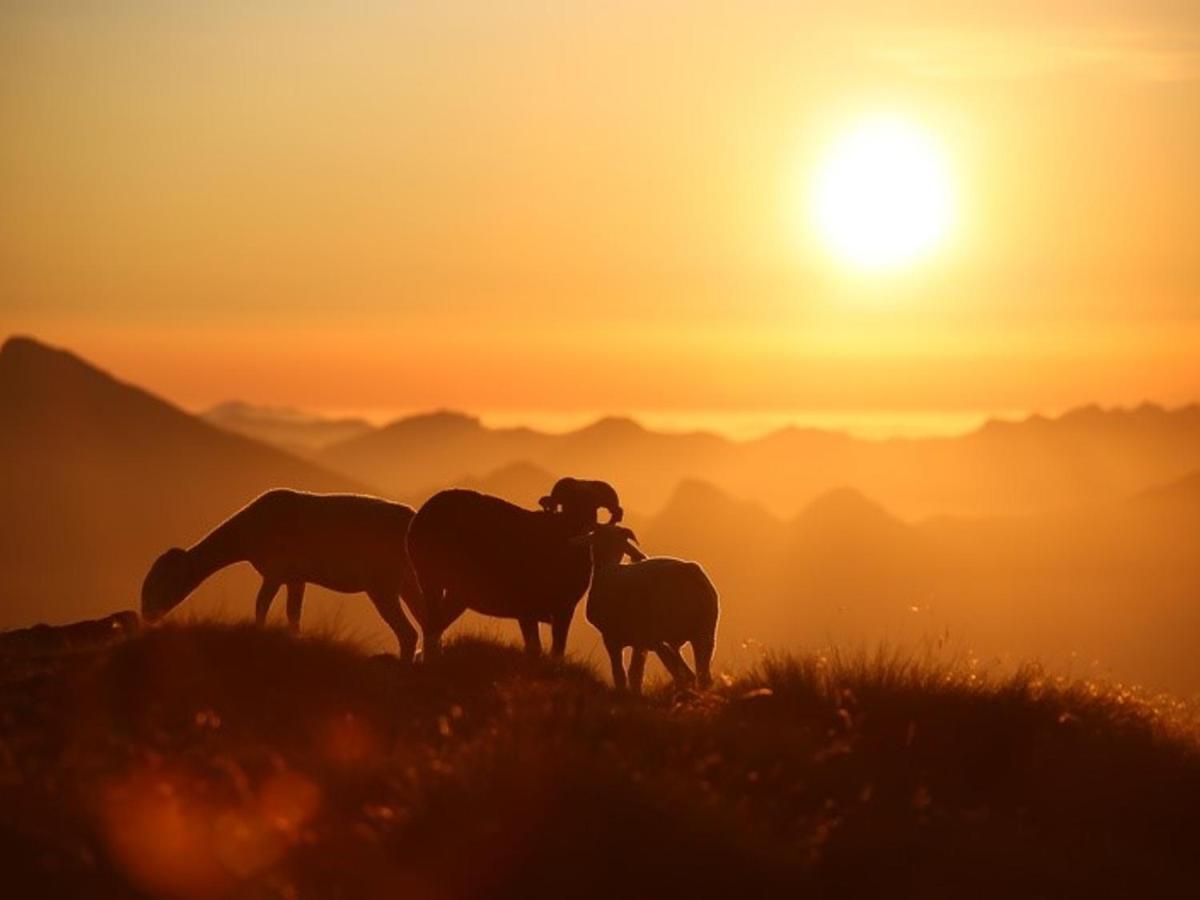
(634,553)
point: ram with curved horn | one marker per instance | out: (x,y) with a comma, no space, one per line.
(475,551)
(581,495)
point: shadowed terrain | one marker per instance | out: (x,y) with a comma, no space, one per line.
(219,760)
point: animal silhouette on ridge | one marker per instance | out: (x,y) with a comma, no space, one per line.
(345,542)
(655,603)
(476,551)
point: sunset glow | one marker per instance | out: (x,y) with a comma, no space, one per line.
(883,196)
(395,210)
(460,449)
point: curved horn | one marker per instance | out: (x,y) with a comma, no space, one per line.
(588,496)
(565,490)
(606,497)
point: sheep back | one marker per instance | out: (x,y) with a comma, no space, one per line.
(658,599)
(347,542)
(499,558)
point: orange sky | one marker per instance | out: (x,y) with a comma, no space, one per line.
(568,206)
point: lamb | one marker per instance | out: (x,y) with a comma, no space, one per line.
(657,604)
(345,542)
(472,550)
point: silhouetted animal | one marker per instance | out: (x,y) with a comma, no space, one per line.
(583,498)
(475,551)
(344,542)
(657,603)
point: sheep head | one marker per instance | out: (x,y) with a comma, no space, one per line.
(166,585)
(581,498)
(610,543)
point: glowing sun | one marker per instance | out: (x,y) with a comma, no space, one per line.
(882,196)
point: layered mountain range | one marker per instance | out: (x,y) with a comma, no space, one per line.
(1071,539)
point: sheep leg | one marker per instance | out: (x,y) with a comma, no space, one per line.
(442,611)
(637,669)
(675,665)
(616,656)
(431,624)
(702,653)
(388,606)
(432,644)
(559,626)
(533,638)
(295,603)
(262,604)
(410,591)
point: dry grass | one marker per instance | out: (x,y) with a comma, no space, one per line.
(208,759)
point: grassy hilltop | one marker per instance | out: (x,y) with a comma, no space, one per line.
(212,760)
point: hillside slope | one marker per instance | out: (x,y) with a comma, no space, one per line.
(97,477)
(167,766)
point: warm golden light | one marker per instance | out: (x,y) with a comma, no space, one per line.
(882,196)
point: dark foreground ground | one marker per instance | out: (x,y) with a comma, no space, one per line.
(213,760)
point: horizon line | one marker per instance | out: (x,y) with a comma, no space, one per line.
(734,425)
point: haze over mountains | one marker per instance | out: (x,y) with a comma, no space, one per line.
(1069,539)
(1085,456)
(1113,588)
(290,429)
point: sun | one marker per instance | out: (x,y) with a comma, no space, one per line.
(882,196)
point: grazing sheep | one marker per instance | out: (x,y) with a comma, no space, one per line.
(657,604)
(475,551)
(343,542)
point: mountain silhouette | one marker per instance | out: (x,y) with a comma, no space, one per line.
(1113,584)
(97,477)
(1035,465)
(421,453)
(703,522)
(845,509)
(521,483)
(844,563)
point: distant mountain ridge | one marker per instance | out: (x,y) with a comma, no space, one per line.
(1003,467)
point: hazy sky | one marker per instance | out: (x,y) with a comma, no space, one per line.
(598,205)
